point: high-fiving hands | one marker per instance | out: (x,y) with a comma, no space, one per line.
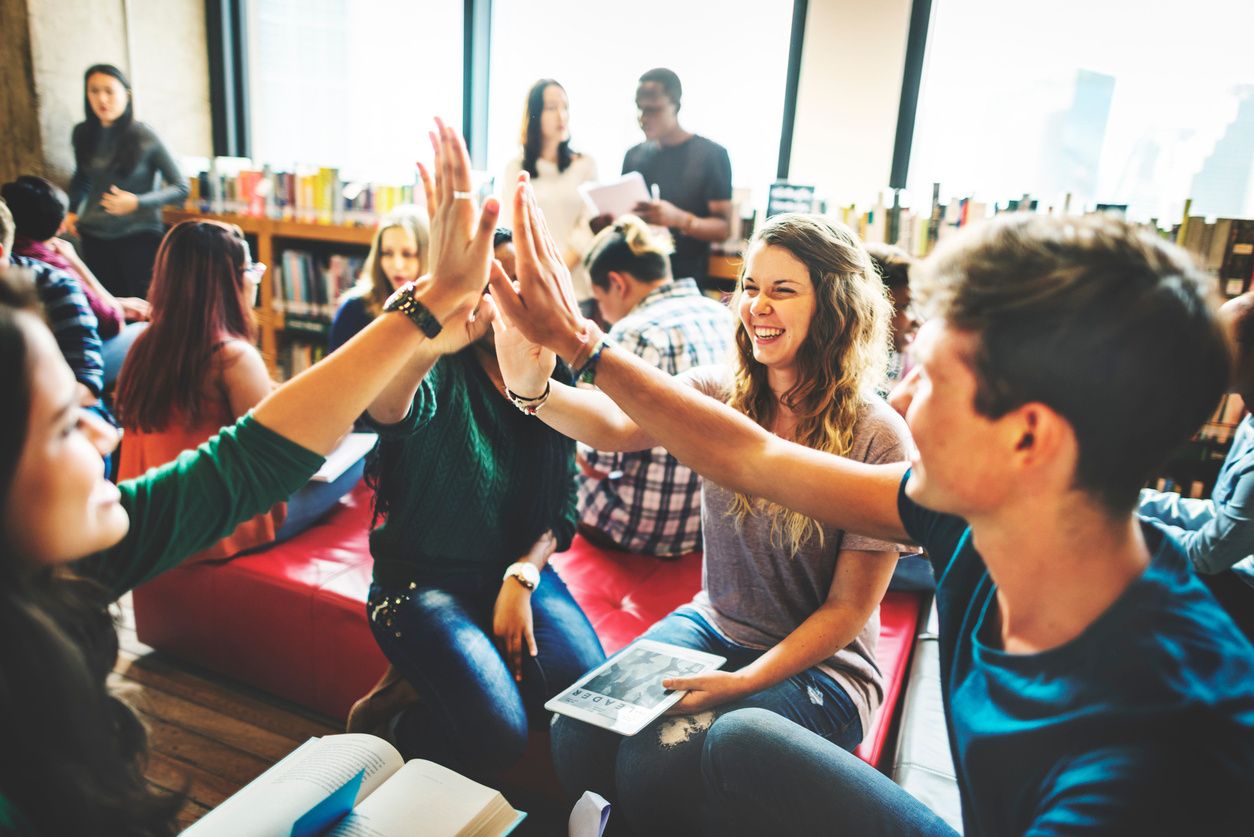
(542,304)
(461,245)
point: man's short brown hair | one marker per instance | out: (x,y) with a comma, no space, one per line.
(1104,323)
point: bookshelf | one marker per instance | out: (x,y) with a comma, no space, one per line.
(271,237)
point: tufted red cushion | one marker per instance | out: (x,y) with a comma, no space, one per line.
(623,594)
(290,619)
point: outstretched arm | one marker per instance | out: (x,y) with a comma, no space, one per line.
(711,438)
(202,496)
(585,415)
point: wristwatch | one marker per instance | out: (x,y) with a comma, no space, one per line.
(524,572)
(404,301)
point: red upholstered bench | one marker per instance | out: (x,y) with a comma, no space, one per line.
(623,594)
(291,619)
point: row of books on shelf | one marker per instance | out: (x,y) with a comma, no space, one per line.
(307,286)
(1222,424)
(1193,468)
(230,185)
(295,356)
(1223,246)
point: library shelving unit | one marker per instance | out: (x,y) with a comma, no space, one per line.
(270,237)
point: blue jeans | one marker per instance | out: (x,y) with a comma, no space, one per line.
(114,350)
(472,716)
(765,775)
(314,499)
(654,777)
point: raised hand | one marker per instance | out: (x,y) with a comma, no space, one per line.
(464,326)
(542,306)
(525,365)
(461,249)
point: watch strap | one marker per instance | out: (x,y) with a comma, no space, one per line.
(404,301)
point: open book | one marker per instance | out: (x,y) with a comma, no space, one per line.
(345,454)
(358,785)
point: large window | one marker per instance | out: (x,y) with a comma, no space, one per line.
(1143,104)
(730,55)
(352,83)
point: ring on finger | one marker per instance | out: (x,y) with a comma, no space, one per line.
(462,196)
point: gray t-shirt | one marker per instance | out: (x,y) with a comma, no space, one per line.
(756,594)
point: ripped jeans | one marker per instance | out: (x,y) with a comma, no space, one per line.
(654,777)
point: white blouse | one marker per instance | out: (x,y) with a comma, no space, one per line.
(564,209)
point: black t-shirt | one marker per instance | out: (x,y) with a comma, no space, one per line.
(689,175)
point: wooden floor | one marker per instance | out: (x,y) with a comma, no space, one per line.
(206,733)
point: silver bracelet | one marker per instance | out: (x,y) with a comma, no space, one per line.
(529,405)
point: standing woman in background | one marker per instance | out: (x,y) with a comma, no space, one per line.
(114,200)
(556,172)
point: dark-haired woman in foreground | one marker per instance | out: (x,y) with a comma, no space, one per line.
(70,541)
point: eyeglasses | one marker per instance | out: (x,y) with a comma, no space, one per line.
(254,272)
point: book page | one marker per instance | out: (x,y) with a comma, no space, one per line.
(351,448)
(424,798)
(617,197)
(314,771)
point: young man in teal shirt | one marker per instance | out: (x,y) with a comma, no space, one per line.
(1091,683)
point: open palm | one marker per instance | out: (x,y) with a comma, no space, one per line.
(525,365)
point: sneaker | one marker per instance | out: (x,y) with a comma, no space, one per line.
(373,713)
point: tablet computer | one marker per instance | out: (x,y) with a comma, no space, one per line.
(625,692)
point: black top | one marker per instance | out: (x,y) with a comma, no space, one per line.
(689,175)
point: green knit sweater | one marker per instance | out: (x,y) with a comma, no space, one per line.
(469,482)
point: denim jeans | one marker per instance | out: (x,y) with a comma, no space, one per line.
(314,499)
(114,350)
(471,715)
(765,775)
(654,777)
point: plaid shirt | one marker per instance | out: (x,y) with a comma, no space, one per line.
(650,503)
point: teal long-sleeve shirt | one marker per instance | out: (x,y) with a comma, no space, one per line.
(468,478)
(186,505)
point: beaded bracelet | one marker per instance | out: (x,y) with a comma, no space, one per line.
(529,405)
(588,371)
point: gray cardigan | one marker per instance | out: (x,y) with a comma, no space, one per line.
(94,178)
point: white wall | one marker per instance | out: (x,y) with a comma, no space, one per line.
(170,74)
(847,100)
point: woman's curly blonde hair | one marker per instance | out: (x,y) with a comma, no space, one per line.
(844,354)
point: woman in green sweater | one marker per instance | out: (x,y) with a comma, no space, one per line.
(475,493)
(70,541)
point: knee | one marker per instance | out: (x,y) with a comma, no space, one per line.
(658,772)
(502,742)
(573,745)
(739,738)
